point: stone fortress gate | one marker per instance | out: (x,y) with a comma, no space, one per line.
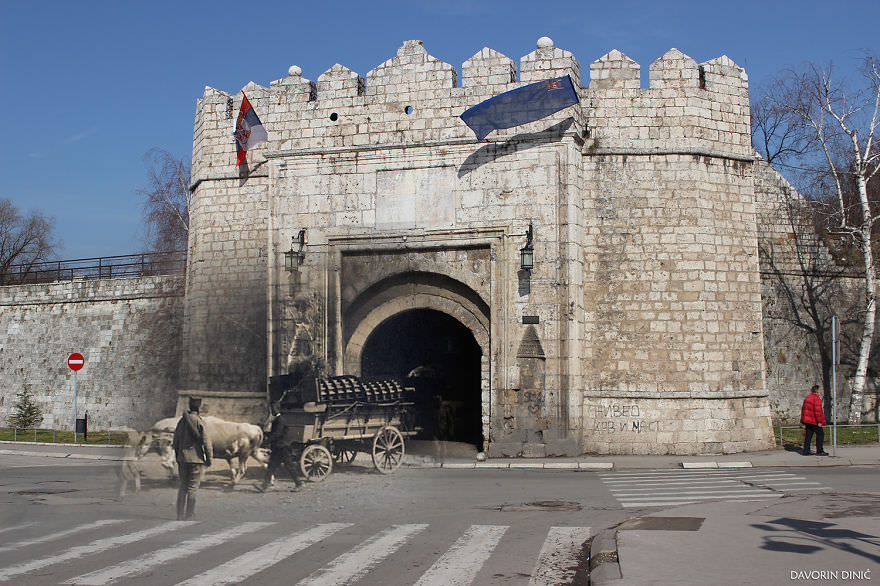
(638,329)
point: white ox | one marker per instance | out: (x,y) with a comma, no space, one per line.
(231,440)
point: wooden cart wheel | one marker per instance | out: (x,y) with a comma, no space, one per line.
(387,449)
(316,463)
(344,455)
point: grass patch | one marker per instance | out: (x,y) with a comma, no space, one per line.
(50,436)
(863,434)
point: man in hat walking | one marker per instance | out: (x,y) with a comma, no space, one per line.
(193,449)
(813,418)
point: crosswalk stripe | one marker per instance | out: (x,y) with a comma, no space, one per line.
(558,560)
(772,476)
(248,564)
(156,558)
(16,527)
(631,505)
(97,546)
(687,493)
(693,499)
(672,487)
(694,474)
(351,566)
(672,474)
(672,483)
(60,534)
(460,564)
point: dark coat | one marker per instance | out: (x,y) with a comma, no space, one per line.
(192,444)
(811,411)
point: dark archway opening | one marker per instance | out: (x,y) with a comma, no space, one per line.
(439,356)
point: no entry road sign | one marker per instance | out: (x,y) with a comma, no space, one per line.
(76,361)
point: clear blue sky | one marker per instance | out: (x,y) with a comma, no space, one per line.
(89,87)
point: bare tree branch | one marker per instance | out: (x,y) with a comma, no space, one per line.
(24,241)
(167,201)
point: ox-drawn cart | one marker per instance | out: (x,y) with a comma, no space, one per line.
(337,417)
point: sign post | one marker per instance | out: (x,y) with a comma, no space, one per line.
(75,361)
(835,357)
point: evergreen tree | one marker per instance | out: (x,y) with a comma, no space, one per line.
(27,413)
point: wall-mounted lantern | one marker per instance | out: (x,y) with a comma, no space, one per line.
(293,259)
(527,252)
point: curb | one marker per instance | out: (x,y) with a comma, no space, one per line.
(604,563)
(13,443)
(699,465)
(514,465)
(62,455)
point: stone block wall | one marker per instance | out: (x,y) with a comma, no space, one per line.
(720,425)
(676,308)
(128,330)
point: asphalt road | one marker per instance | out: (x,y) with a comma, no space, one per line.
(62,521)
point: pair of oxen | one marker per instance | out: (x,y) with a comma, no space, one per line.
(233,442)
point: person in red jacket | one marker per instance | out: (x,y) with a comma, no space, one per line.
(813,418)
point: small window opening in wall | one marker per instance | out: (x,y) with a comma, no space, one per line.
(334,116)
(408,109)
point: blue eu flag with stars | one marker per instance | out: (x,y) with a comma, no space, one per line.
(520,106)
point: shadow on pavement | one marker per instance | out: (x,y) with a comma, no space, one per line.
(804,536)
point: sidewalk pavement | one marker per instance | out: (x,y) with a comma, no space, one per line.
(451,455)
(457,456)
(800,539)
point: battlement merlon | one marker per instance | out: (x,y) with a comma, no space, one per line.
(413,98)
(548,61)
(488,68)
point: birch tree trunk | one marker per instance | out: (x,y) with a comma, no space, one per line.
(857,400)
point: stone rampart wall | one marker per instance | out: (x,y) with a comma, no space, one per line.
(789,243)
(128,330)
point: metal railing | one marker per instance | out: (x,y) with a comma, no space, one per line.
(828,429)
(105,267)
(35,435)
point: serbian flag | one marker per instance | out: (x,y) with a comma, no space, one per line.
(521,106)
(249,131)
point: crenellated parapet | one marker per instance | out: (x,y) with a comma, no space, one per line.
(689,107)
(415,98)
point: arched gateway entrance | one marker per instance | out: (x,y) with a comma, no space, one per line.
(440,357)
(432,331)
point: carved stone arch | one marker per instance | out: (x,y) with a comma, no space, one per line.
(407,291)
(459,308)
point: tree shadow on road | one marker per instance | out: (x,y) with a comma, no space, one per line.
(805,537)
